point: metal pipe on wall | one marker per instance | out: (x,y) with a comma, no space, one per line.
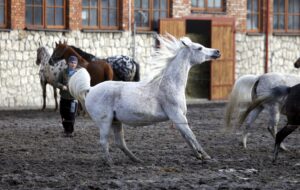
(267,37)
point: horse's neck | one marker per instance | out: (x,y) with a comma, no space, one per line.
(45,57)
(176,73)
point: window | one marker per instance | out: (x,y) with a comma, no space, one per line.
(286,16)
(100,14)
(148,12)
(207,6)
(46,14)
(3,13)
(254,15)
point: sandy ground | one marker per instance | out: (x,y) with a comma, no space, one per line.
(34,154)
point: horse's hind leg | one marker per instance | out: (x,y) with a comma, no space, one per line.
(55,98)
(249,122)
(274,119)
(273,123)
(280,136)
(120,141)
(44,94)
(104,127)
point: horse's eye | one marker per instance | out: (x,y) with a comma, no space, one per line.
(200,48)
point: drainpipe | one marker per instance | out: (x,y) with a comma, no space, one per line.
(267,37)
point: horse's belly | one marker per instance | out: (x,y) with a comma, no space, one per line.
(141,115)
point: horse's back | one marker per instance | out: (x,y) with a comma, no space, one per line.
(271,80)
(127,101)
(99,71)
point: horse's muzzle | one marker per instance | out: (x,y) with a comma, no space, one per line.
(216,55)
(297,65)
(51,62)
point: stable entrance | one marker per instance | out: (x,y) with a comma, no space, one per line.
(214,79)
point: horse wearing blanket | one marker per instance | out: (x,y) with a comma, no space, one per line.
(113,103)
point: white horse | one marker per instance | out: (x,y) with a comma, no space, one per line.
(48,74)
(247,89)
(112,103)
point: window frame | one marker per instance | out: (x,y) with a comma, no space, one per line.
(4,24)
(206,9)
(259,16)
(99,9)
(152,10)
(44,24)
(286,14)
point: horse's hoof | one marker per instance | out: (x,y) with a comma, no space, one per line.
(206,157)
(68,135)
(135,159)
(283,147)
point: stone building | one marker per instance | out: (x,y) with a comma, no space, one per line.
(256,36)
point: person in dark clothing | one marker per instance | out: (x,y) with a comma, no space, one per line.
(68,105)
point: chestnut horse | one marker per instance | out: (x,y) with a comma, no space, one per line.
(124,67)
(99,70)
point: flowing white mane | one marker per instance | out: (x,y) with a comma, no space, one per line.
(169,47)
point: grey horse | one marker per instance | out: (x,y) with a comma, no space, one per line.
(247,89)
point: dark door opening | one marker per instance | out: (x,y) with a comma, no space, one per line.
(198,85)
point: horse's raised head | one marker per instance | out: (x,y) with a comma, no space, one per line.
(297,63)
(198,52)
(58,52)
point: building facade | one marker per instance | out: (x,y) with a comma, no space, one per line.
(266,36)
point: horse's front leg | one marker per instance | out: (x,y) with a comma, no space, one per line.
(181,123)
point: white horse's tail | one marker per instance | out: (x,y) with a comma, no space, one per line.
(241,94)
(79,85)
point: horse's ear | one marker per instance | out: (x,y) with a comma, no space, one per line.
(65,42)
(56,44)
(184,43)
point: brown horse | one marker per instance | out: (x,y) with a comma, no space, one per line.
(99,70)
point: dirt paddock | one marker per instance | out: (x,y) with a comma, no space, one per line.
(35,155)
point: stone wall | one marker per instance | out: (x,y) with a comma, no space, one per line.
(250,54)
(19,80)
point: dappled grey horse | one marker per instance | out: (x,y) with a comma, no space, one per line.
(113,103)
(48,73)
(247,89)
(291,108)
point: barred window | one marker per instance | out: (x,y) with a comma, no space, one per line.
(208,6)
(46,14)
(148,12)
(286,16)
(100,14)
(254,15)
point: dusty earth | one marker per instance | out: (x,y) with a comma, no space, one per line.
(35,155)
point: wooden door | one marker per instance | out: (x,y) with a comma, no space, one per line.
(222,69)
(176,27)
